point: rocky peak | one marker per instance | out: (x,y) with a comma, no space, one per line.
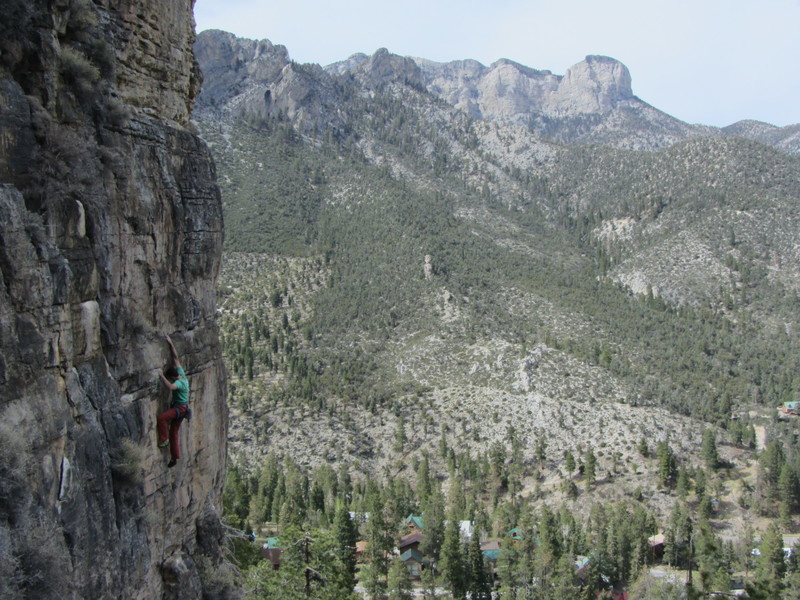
(346,66)
(232,64)
(595,85)
(507,89)
(384,67)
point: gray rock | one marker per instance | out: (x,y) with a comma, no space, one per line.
(110,237)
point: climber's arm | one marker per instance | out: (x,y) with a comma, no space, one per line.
(167,382)
(175,360)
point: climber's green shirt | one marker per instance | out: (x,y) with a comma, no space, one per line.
(181,395)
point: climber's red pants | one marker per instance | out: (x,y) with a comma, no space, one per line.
(171,419)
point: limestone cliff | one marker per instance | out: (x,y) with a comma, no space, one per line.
(110,237)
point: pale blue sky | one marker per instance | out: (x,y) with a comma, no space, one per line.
(702,61)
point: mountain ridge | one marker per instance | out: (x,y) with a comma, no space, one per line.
(593,102)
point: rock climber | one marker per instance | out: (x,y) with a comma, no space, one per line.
(175,379)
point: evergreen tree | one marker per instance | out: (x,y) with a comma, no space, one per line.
(678,536)
(709,450)
(433,516)
(400,437)
(590,468)
(713,569)
(429,581)
(771,566)
(399,581)
(788,488)
(549,534)
(479,584)
(508,571)
(380,540)
(564,586)
(667,465)
(452,560)
(569,462)
(770,465)
(346,536)
(682,485)
(310,569)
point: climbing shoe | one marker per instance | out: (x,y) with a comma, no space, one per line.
(163,444)
(172,463)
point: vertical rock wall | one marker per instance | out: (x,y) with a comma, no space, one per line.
(110,237)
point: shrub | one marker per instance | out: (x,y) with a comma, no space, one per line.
(126,461)
(44,563)
(79,73)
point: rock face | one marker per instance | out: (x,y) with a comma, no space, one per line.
(110,237)
(508,89)
(592,103)
(257,81)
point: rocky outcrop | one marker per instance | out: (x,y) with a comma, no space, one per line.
(110,237)
(592,103)
(507,89)
(256,81)
(231,65)
(595,85)
(384,67)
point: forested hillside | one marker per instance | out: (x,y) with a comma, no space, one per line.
(424,312)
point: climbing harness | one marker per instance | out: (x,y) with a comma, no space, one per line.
(180,416)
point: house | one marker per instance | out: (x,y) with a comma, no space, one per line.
(412,541)
(657,544)
(515,534)
(360,549)
(466,528)
(790,542)
(271,550)
(414,523)
(273,555)
(490,549)
(581,565)
(790,408)
(414,562)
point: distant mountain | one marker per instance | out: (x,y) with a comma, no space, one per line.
(474,236)
(592,103)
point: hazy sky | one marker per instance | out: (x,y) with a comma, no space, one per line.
(703,61)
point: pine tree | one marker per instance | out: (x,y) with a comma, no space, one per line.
(478,583)
(678,536)
(429,581)
(399,581)
(590,468)
(788,488)
(380,540)
(709,450)
(452,560)
(564,586)
(569,462)
(667,465)
(771,566)
(346,537)
(713,571)
(433,515)
(400,437)
(508,570)
(770,464)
